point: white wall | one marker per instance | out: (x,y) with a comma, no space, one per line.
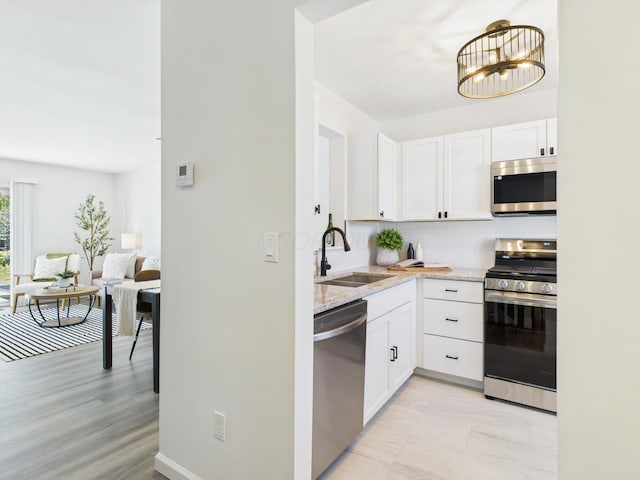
(598,324)
(228,101)
(138,197)
(458,244)
(520,107)
(471,244)
(58,194)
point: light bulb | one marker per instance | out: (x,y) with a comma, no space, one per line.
(504,74)
(478,77)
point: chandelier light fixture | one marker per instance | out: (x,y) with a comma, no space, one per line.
(503,60)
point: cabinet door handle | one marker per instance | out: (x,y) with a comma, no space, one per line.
(439,214)
(381,213)
(394,353)
(551,150)
(446,214)
(452,357)
(317,209)
(542,152)
(450,290)
(451,319)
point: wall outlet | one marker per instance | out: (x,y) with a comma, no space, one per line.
(220,426)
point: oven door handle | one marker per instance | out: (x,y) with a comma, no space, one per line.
(520,299)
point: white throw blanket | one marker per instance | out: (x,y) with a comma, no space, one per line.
(125,298)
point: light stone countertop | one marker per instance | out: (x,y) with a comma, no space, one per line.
(331,296)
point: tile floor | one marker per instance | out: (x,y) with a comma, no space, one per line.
(434,430)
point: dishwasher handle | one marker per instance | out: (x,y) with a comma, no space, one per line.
(342,329)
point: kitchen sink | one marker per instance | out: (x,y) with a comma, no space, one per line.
(355,279)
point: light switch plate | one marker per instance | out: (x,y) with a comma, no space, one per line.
(271,247)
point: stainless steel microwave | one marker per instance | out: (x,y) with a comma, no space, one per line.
(524,187)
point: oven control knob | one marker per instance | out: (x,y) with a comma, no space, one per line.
(520,286)
(503,284)
(546,288)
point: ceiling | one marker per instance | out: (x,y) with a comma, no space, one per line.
(396,59)
(80,83)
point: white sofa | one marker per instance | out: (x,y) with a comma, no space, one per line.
(44,274)
(141,263)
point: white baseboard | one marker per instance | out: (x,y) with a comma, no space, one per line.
(172,470)
(467,382)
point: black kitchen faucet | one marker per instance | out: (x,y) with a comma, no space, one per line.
(324,264)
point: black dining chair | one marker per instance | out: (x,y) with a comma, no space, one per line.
(143,309)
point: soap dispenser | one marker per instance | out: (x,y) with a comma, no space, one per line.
(419,254)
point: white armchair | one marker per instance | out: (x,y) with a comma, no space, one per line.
(44,274)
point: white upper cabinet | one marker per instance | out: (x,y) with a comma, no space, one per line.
(447,178)
(467,162)
(524,140)
(441,178)
(387,178)
(422,179)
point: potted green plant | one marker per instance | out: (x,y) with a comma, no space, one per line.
(64,277)
(388,241)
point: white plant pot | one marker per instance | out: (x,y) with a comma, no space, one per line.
(64,282)
(387,257)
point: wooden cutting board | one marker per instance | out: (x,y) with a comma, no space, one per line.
(419,269)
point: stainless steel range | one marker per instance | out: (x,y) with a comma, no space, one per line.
(520,323)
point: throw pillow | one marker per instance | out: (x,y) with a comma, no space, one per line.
(48,267)
(151,263)
(116,265)
(131,266)
(58,255)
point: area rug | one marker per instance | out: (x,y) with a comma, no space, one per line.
(21,337)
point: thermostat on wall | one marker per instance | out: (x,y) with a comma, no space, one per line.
(184,175)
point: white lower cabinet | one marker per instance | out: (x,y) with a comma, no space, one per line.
(452,317)
(453,356)
(390,353)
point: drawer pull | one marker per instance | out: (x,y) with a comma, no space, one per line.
(450,290)
(452,357)
(451,319)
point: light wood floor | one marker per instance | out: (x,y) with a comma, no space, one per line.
(63,417)
(433,430)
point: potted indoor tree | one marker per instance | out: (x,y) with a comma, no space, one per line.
(93,218)
(389,242)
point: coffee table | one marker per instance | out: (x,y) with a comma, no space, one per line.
(57,294)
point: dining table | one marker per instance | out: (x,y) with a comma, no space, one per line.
(149,295)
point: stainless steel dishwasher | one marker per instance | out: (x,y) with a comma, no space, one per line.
(338,381)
